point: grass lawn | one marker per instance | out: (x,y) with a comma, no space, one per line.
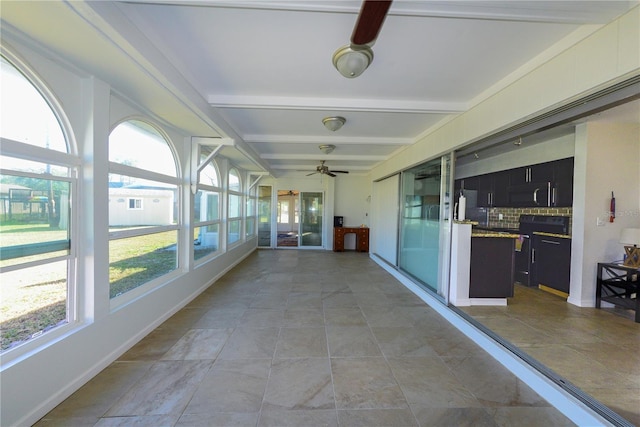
(34,299)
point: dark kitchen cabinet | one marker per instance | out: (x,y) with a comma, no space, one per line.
(563,182)
(469,183)
(501,182)
(492,266)
(485,190)
(492,189)
(541,172)
(551,261)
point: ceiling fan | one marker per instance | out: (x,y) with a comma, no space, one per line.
(324,170)
(351,60)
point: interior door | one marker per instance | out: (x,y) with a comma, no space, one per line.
(311,216)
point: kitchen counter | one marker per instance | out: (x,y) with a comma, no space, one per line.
(498,234)
(559,236)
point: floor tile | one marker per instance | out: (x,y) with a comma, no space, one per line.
(153,346)
(352,341)
(250,343)
(235,386)
(199,344)
(303,317)
(428,381)
(428,416)
(365,383)
(302,342)
(166,388)
(219,419)
(376,417)
(139,421)
(299,418)
(96,397)
(312,388)
(262,318)
(491,383)
(344,317)
(404,342)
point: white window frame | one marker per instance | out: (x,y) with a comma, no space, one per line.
(25,151)
(209,189)
(241,202)
(134,172)
(137,202)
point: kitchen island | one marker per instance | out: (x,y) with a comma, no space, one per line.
(482,265)
(492,264)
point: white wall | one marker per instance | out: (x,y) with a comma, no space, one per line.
(353,202)
(607,159)
(553,149)
(157,207)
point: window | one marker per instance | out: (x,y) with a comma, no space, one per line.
(251,211)
(135,203)
(206,208)
(143,207)
(283,211)
(234,215)
(37,257)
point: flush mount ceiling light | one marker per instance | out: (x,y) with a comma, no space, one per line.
(327,148)
(333,123)
(352,60)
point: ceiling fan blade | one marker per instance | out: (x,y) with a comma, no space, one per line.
(312,173)
(331,174)
(370,19)
(339,171)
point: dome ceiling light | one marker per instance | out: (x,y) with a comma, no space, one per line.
(327,148)
(333,123)
(353,59)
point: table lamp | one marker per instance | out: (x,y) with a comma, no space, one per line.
(630,237)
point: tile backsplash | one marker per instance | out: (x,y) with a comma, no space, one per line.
(510,216)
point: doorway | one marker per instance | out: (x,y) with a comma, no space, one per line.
(299,219)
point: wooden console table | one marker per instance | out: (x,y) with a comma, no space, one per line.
(362,238)
(619,285)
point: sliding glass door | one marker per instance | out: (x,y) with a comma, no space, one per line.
(311,216)
(424,224)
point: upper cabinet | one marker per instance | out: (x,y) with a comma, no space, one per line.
(542,172)
(493,188)
(562,195)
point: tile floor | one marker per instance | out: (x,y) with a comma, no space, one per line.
(596,350)
(305,338)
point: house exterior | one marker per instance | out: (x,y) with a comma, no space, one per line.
(140,206)
(104,329)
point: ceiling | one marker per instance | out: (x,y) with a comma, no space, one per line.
(260,72)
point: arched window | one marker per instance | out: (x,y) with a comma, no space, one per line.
(37,260)
(234,213)
(206,208)
(143,207)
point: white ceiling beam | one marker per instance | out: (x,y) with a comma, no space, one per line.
(352,157)
(314,139)
(303,168)
(567,12)
(341,104)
